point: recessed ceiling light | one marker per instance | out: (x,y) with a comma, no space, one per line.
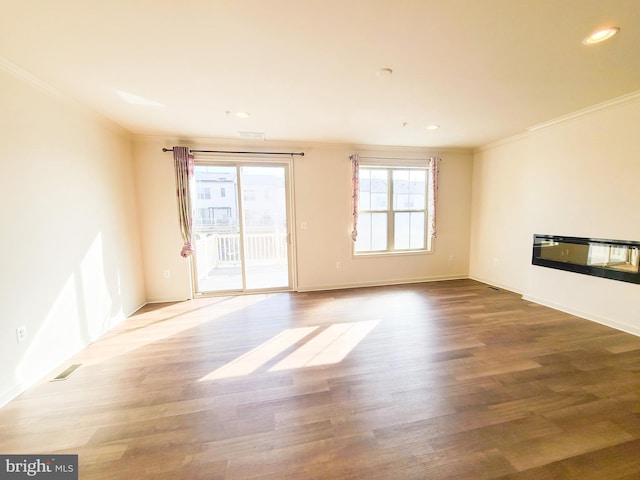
(601,35)
(243,115)
(384,73)
(433,127)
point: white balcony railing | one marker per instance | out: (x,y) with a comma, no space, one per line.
(219,250)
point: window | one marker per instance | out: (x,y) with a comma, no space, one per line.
(223,192)
(204,216)
(393,213)
(204,193)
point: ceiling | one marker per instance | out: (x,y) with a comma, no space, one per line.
(306,70)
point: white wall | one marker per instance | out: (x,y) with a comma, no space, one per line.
(577,177)
(322,180)
(69,247)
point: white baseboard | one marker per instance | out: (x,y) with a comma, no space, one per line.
(318,288)
(494,284)
(165,300)
(632,329)
(15,390)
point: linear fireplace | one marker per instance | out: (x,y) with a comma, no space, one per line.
(614,259)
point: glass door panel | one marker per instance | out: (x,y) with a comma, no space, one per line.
(265,232)
(216,229)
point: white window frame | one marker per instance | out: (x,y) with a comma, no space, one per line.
(391,165)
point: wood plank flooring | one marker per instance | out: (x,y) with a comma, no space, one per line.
(446,380)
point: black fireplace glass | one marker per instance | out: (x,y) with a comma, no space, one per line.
(614,259)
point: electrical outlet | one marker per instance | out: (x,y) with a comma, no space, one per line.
(167,273)
(21,334)
(338,265)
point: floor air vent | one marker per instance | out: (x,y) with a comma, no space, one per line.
(64,375)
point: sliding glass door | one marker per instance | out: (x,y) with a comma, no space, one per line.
(241,227)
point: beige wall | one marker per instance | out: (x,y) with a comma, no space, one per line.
(578,177)
(322,196)
(69,247)
(159,230)
(500,230)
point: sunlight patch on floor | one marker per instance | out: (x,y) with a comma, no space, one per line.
(328,347)
(255,358)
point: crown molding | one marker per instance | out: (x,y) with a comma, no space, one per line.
(32,80)
(504,141)
(628,98)
(39,84)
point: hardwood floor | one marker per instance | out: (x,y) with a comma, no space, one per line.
(448,380)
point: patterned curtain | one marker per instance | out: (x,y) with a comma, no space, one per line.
(355,190)
(183,162)
(434,167)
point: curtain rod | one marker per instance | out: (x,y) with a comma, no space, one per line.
(301,154)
